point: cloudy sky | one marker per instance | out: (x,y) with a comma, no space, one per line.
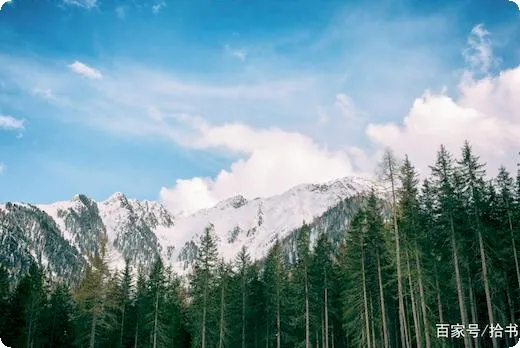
(192,101)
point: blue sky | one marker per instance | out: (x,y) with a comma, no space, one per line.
(133,96)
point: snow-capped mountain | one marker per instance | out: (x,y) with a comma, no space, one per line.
(138,230)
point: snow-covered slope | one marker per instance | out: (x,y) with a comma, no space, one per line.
(259,222)
(138,230)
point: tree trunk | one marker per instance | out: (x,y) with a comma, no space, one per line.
(92,342)
(517,268)
(511,313)
(513,242)
(244,309)
(221,326)
(407,329)
(30,328)
(439,302)
(415,315)
(421,296)
(396,336)
(503,319)
(372,325)
(136,336)
(307,319)
(122,326)
(204,313)
(156,318)
(322,329)
(484,265)
(486,283)
(460,292)
(402,320)
(326,311)
(382,297)
(473,305)
(365,299)
(511,307)
(278,323)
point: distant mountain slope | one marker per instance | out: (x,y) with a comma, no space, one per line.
(62,234)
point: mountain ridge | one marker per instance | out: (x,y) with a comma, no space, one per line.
(138,230)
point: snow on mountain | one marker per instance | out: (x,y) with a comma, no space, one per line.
(137,230)
(259,222)
(53,211)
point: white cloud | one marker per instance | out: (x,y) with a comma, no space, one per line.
(50,97)
(3,2)
(45,93)
(158,6)
(272,161)
(347,107)
(88,4)
(486,113)
(479,54)
(2,169)
(85,70)
(146,102)
(11,123)
(271,90)
(517,2)
(239,54)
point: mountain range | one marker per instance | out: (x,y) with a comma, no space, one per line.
(61,235)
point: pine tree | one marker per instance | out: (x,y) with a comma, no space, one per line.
(257,329)
(58,324)
(443,174)
(273,280)
(140,308)
(243,263)
(355,298)
(26,306)
(156,291)
(222,291)
(375,250)
(320,268)
(5,293)
(91,298)
(389,171)
(339,281)
(302,271)
(473,176)
(409,220)
(440,253)
(202,283)
(506,191)
(124,303)
(502,272)
(16,324)
(174,312)
(435,253)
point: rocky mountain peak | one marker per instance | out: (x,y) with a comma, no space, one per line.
(139,230)
(235,202)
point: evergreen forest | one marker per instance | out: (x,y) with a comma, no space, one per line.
(432,254)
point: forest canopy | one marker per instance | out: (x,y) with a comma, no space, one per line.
(439,257)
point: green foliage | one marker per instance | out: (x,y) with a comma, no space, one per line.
(331,283)
(58,318)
